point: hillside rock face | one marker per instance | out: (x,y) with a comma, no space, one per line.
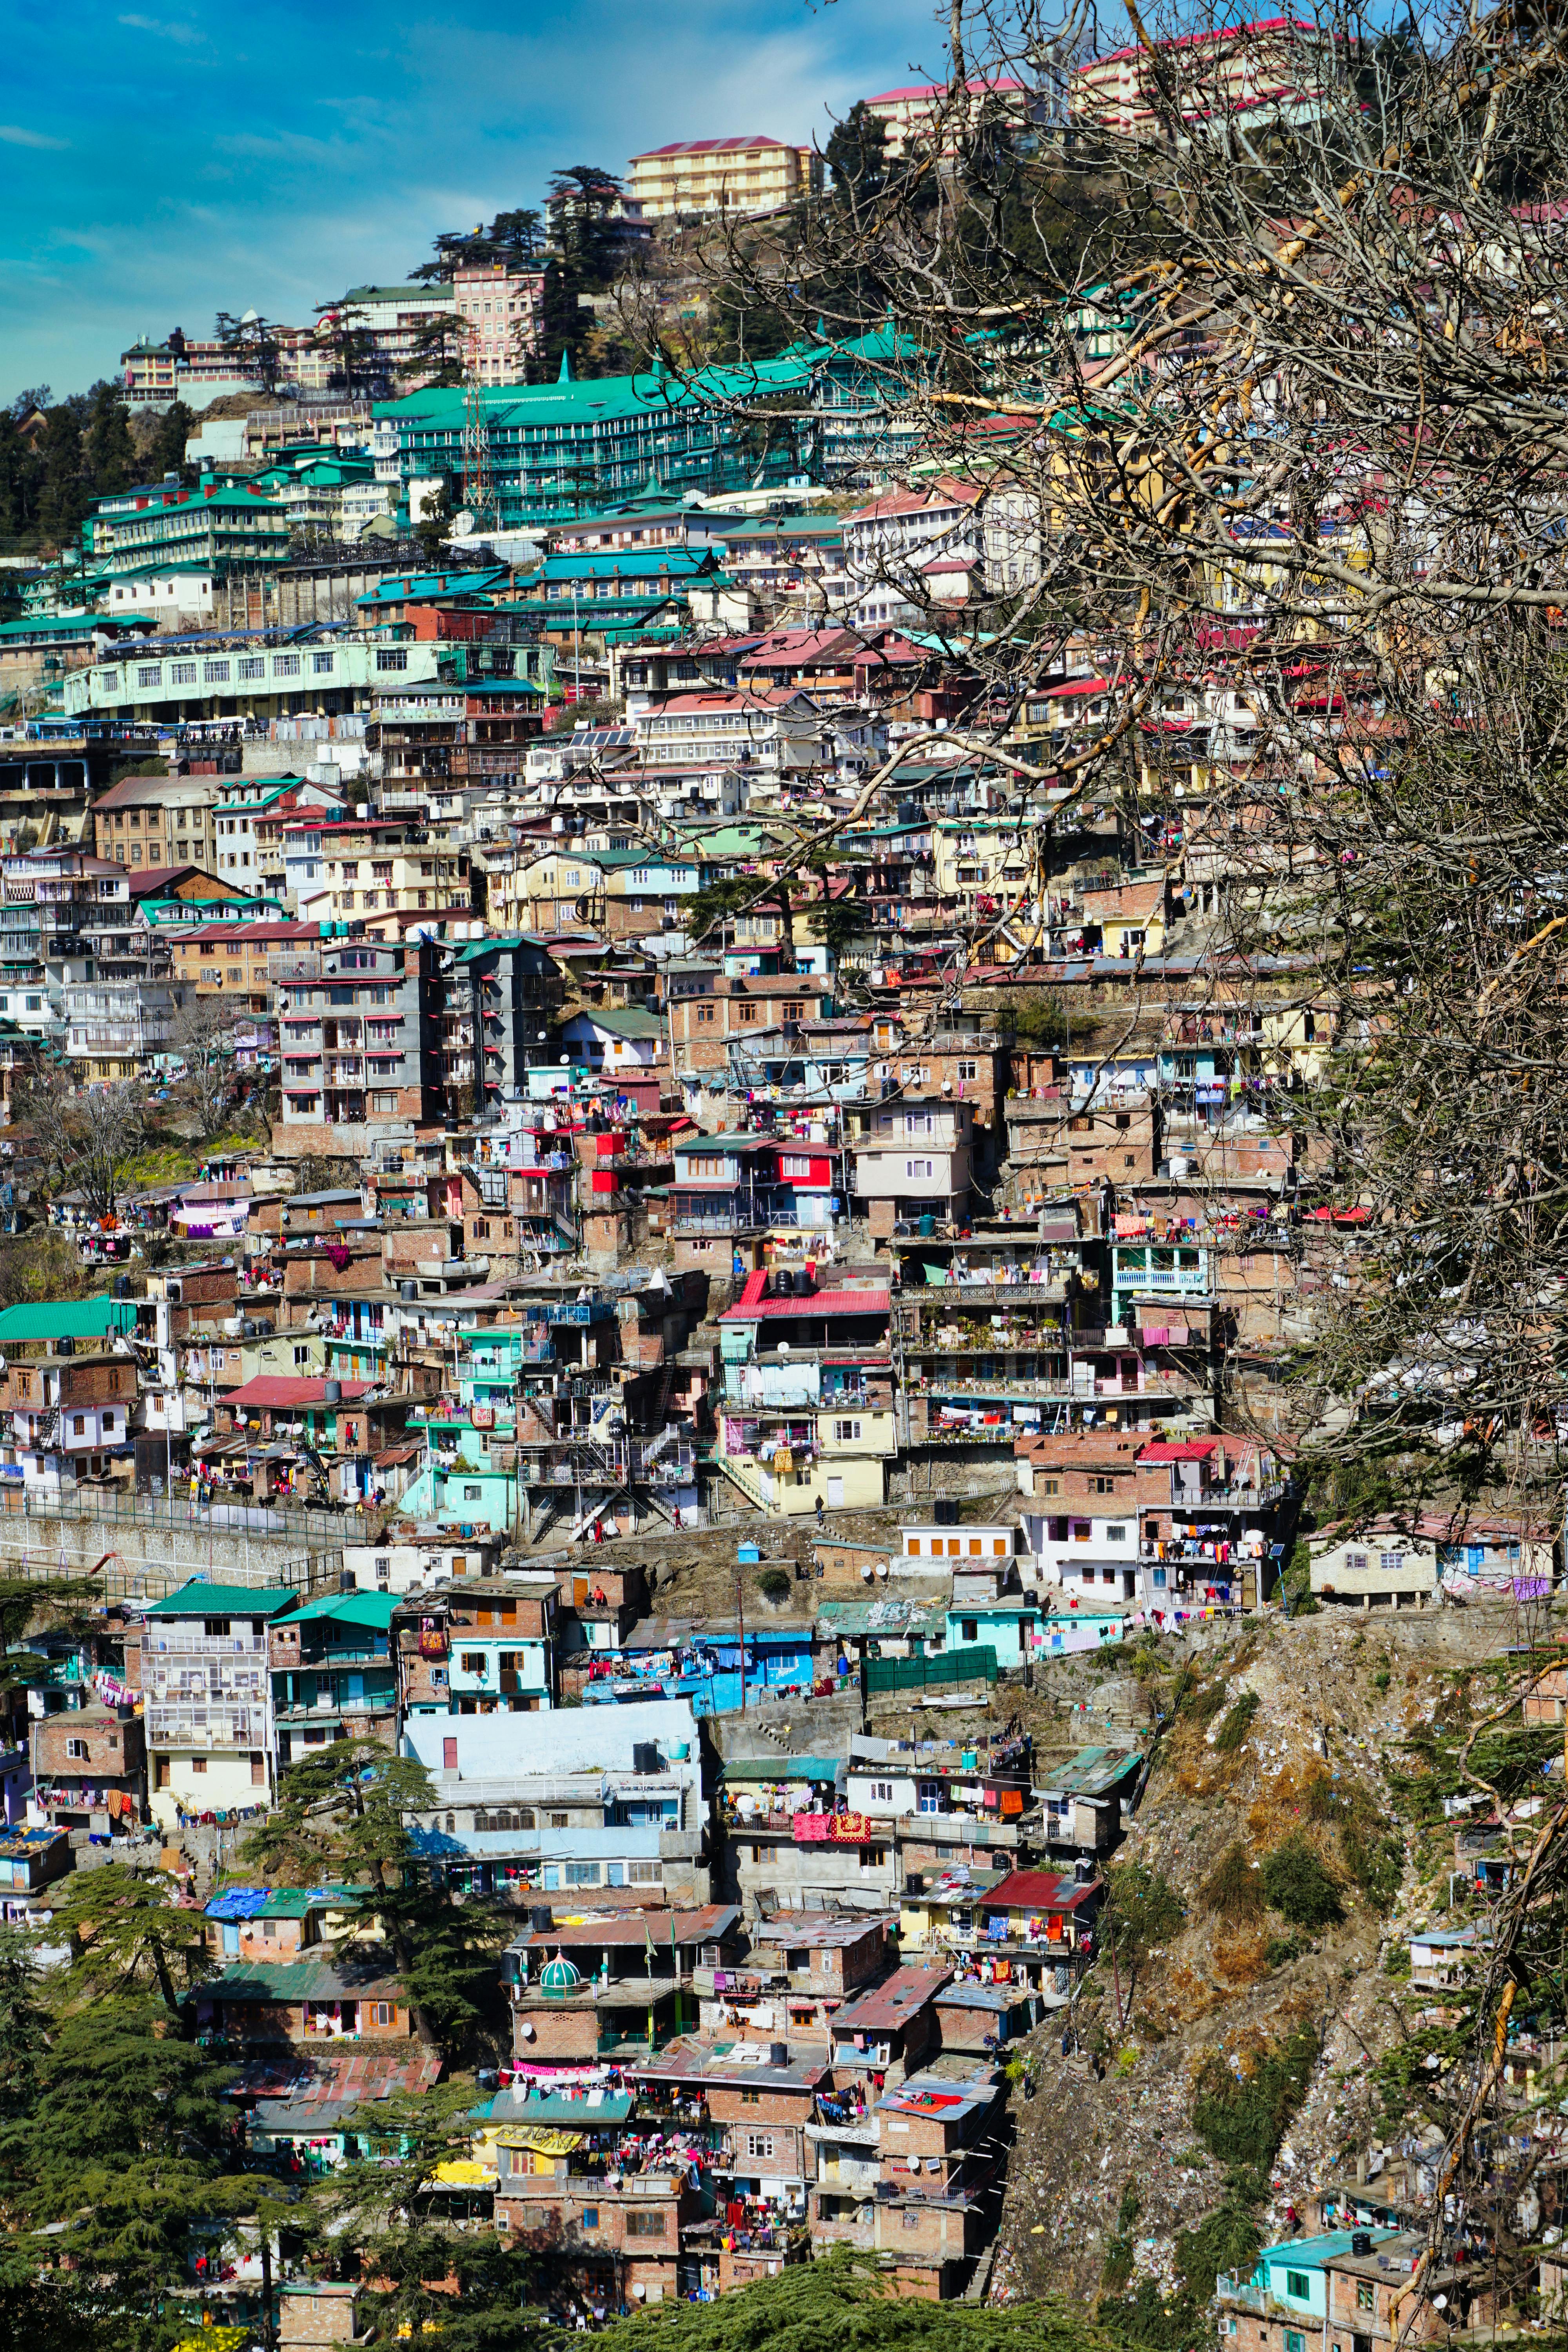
(1106,2146)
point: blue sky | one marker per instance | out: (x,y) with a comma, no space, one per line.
(164,161)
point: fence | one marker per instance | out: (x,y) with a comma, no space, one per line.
(938,1673)
(315,1529)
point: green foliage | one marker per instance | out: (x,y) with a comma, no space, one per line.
(1242,2118)
(1234,1888)
(127,1934)
(844,2303)
(1296,1884)
(1036,1019)
(1398,1963)
(1118,2269)
(711,907)
(773,1584)
(342,1812)
(1280,1950)
(1142,1909)
(1374,1860)
(1233,1731)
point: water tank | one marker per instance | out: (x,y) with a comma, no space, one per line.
(645,1756)
(944,1511)
(805,1282)
(332,1391)
(778,2054)
(122,1285)
(1361,2242)
(540,1918)
(65,1347)
(408,1289)
(783,1283)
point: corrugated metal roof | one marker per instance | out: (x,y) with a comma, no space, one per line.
(66,1318)
(203,1599)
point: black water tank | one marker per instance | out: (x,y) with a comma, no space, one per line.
(540,1918)
(944,1511)
(1361,2242)
(645,1756)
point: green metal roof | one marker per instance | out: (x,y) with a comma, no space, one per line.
(349,1609)
(782,1768)
(202,1599)
(66,1318)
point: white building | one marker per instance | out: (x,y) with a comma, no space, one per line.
(203,1674)
(911,549)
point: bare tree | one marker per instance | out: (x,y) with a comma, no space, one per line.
(88,1137)
(202,1034)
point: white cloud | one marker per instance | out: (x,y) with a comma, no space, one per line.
(186,35)
(12,135)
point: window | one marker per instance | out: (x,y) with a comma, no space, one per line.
(473,1662)
(1298,2284)
(846,1432)
(149,673)
(393,658)
(248,666)
(645,1874)
(759,2144)
(560,1821)
(285,664)
(216,673)
(78,1427)
(1115,1534)
(582,1874)
(182,673)
(645,2225)
(198,1763)
(590,2216)
(76,1748)
(750,2098)
(381,2012)
(917,1168)
(971,1629)
(1294,2339)
(321,664)
(1365,2295)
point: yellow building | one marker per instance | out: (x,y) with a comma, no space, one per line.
(755,174)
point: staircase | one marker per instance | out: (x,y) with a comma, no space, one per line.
(745,1481)
(661,1400)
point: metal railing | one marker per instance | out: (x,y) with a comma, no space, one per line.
(315,1528)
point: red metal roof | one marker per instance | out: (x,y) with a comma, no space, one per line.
(1192,1449)
(891,2004)
(280,1391)
(819,1302)
(1037,1890)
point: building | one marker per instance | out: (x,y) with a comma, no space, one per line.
(333,1676)
(360,1025)
(1270,72)
(696,177)
(89,1770)
(913,116)
(775,729)
(156,821)
(386,322)
(911,549)
(222,528)
(807,1412)
(502,306)
(912,1162)
(202,1663)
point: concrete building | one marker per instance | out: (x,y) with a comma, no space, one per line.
(703,177)
(200,1662)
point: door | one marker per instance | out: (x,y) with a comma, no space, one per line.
(836,1494)
(231,1939)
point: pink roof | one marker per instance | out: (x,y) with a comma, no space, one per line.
(758,697)
(1192,1449)
(819,1302)
(708,146)
(281,1391)
(939,88)
(938,494)
(1216,33)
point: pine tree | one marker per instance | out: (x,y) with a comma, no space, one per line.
(108,453)
(175,428)
(62,491)
(344,1812)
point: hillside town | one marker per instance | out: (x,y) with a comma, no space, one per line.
(772,1507)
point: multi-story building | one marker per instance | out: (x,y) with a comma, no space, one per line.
(250,822)
(69,1410)
(909,549)
(777,730)
(200,1659)
(121,1027)
(912,1161)
(502,305)
(221,527)
(1271,71)
(89,1770)
(921,112)
(360,1045)
(333,1675)
(512,1001)
(703,176)
(806,1415)
(156,821)
(389,319)
(382,865)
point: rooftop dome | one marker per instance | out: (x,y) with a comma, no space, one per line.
(559,1976)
